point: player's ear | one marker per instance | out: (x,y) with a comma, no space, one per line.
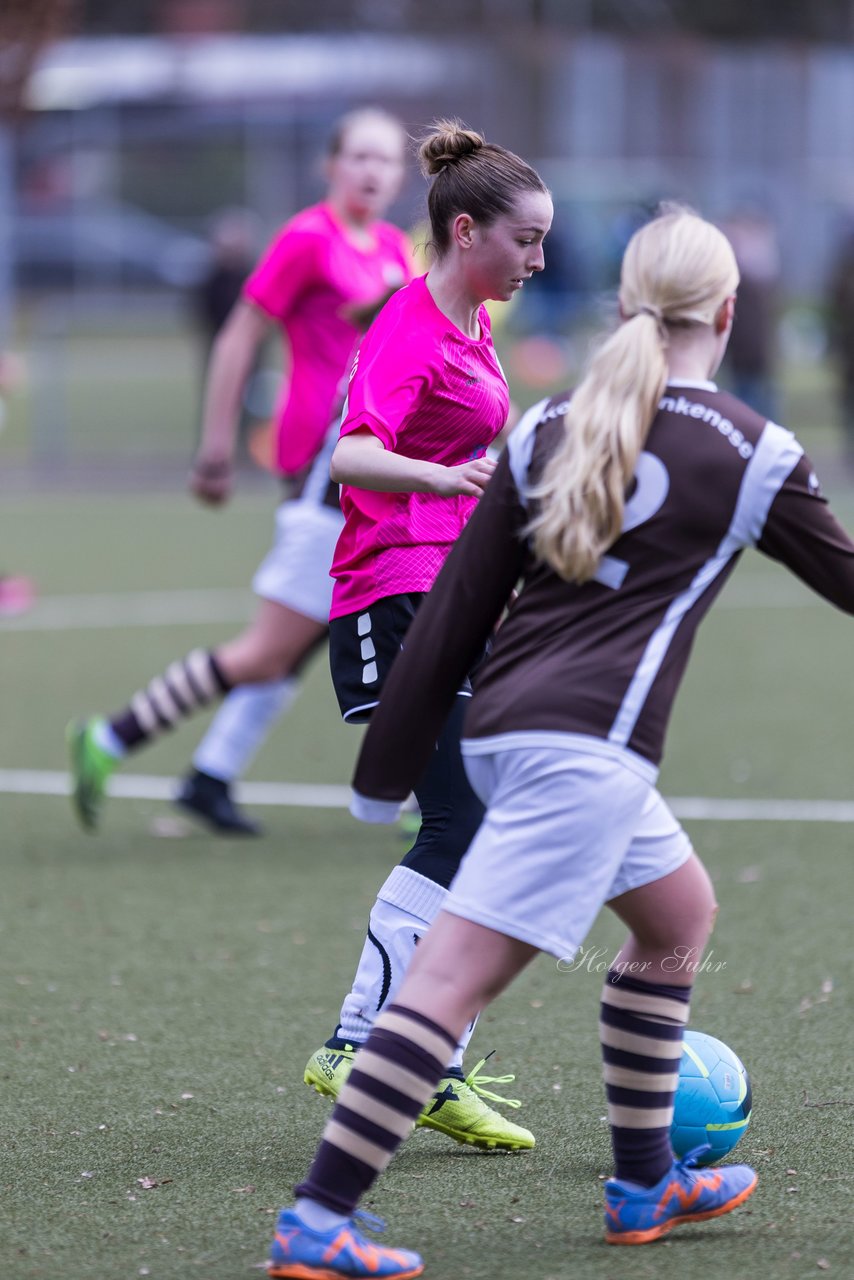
(725,315)
(462,230)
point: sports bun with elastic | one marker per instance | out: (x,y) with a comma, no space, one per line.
(448,143)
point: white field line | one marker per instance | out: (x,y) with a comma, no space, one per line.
(701,808)
(137,609)
(315,796)
(139,786)
(178,608)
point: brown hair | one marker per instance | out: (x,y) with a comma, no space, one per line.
(470,176)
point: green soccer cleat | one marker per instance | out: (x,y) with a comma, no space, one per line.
(456,1109)
(409,822)
(327,1070)
(91,766)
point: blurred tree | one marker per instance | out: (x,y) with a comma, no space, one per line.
(25,27)
(730,19)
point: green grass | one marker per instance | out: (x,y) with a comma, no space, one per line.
(136,971)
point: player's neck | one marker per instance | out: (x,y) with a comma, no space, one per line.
(454,300)
(692,362)
(695,371)
(359,226)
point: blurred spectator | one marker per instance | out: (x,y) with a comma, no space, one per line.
(232,243)
(752,352)
(840,319)
(619,229)
(232,240)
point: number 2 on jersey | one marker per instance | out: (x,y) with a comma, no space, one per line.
(651,487)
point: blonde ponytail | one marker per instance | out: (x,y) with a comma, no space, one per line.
(677,270)
(582,496)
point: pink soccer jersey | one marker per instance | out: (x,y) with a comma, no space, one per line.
(311,273)
(426,391)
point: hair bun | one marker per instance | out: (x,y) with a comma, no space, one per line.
(449,142)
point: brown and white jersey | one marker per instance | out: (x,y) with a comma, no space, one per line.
(602,661)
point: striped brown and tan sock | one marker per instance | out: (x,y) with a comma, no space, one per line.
(184,687)
(640,1031)
(392,1078)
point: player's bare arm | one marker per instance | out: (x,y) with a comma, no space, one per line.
(362,460)
(211,474)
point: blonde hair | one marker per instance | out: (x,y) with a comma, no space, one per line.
(377,117)
(677,271)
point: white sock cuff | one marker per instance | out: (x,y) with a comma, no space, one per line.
(316,1216)
(414,893)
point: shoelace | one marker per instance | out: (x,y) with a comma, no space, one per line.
(371,1221)
(691,1159)
(476,1082)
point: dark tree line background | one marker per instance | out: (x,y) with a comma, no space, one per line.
(821,20)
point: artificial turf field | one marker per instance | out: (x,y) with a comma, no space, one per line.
(159,994)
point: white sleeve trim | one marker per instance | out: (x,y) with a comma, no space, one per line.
(520,444)
(367,810)
(775,457)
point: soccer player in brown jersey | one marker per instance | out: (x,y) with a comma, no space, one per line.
(622,509)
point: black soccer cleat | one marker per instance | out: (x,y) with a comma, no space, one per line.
(210,799)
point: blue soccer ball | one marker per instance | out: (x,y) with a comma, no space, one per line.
(713,1098)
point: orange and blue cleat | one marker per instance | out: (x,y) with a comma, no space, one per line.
(637,1215)
(298,1253)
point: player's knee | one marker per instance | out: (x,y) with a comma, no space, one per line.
(696,925)
(713,914)
(707,905)
(697,914)
(688,928)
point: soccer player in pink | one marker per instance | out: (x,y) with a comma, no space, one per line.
(320,282)
(426,399)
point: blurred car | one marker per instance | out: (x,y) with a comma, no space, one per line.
(103,243)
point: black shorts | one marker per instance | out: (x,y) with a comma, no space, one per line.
(362,647)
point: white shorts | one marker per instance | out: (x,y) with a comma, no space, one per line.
(295,571)
(565,832)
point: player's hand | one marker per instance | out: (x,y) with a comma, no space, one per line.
(363,314)
(469,479)
(211,479)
